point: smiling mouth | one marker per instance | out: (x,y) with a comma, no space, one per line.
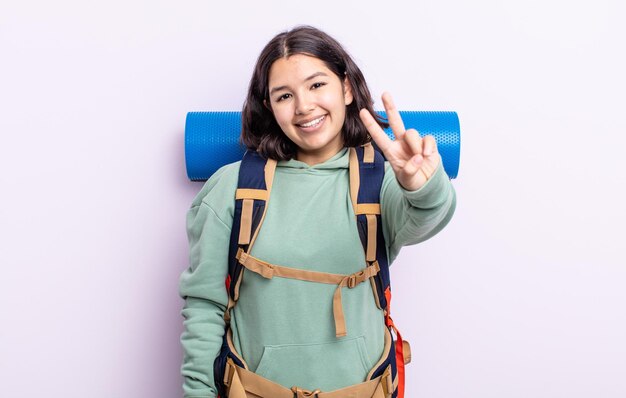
(313,123)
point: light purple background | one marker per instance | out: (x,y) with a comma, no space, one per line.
(522,295)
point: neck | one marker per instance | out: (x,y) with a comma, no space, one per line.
(312,159)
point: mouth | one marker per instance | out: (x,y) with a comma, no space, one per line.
(313,124)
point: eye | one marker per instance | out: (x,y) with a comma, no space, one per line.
(318,85)
(283,97)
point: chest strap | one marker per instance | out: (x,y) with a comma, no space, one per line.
(269,271)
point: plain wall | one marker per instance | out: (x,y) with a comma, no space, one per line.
(522,295)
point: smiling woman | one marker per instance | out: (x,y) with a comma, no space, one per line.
(311,314)
(290,71)
(309,103)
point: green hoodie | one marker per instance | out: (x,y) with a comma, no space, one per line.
(284,328)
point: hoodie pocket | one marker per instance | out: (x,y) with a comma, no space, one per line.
(326,366)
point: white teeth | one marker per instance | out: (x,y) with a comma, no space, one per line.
(313,122)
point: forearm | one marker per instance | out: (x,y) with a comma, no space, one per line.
(202,287)
(410,217)
(201,341)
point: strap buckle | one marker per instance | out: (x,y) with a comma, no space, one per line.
(355,279)
(301,393)
(387,382)
(228,373)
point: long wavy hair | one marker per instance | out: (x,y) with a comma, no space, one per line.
(261,132)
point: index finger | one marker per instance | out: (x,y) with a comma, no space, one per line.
(393,116)
(378,134)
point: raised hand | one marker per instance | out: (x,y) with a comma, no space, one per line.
(414,159)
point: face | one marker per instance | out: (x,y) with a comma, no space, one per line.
(309,103)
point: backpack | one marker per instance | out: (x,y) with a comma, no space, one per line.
(367,169)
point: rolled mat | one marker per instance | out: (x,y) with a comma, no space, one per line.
(212,139)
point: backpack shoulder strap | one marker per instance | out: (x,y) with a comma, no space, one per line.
(365,192)
(367,170)
(253,192)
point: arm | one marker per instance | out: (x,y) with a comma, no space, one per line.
(410,217)
(202,286)
(417,198)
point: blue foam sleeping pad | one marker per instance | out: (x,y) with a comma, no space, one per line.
(212,139)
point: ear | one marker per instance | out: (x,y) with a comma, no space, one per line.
(267,105)
(347,91)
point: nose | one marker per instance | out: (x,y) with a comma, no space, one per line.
(304,104)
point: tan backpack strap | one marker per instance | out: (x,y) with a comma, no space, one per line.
(233,382)
(243,383)
(245,228)
(350,281)
(269,271)
(372,227)
(368,153)
(248,196)
(270,170)
(369,209)
(247,193)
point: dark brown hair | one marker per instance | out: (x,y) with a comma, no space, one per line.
(259,129)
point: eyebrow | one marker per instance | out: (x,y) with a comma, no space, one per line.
(313,76)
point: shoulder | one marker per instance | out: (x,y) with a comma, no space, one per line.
(219,190)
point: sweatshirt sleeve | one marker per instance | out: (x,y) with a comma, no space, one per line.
(410,217)
(202,285)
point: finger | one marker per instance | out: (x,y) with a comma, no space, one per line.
(413,165)
(427,170)
(429,145)
(418,165)
(378,134)
(393,116)
(413,141)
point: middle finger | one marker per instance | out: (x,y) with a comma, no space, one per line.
(393,116)
(413,141)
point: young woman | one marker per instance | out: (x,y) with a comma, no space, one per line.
(307,105)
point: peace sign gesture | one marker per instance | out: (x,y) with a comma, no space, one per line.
(414,159)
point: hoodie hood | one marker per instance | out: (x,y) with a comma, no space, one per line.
(340,160)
